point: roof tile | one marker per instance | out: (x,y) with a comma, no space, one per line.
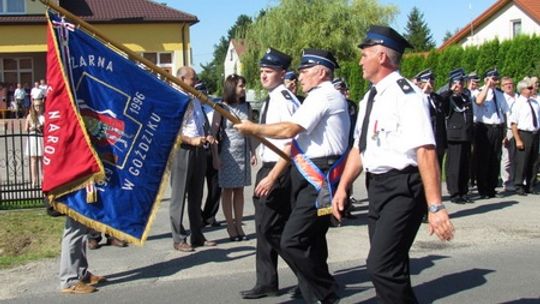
(117,11)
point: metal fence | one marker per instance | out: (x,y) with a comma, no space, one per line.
(19,186)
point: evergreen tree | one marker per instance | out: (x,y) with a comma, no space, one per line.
(447,36)
(417,32)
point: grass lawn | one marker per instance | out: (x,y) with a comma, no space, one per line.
(28,235)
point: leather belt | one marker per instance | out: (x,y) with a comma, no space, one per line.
(393,172)
(491,125)
(330,160)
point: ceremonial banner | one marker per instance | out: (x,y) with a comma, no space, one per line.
(132,119)
(68,159)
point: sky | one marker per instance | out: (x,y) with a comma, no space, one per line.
(217,16)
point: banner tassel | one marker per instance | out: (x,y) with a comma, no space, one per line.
(91,193)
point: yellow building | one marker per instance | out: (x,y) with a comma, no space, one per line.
(161,34)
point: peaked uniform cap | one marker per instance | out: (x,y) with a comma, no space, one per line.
(290,75)
(385,36)
(492,73)
(426,74)
(457,75)
(313,57)
(473,76)
(339,83)
(275,59)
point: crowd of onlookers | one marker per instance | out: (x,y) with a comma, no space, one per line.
(488,132)
(20,101)
(16,98)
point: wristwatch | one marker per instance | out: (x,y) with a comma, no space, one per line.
(436,208)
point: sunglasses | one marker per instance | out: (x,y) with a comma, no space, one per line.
(529,88)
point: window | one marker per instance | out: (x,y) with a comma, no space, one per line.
(516,27)
(17,70)
(231,55)
(161,59)
(12,7)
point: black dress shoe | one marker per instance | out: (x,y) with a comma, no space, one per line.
(521,191)
(458,200)
(467,199)
(483,196)
(259,292)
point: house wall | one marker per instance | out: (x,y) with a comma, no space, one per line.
(500,26)
(18,40)
(35,7)
(232,64)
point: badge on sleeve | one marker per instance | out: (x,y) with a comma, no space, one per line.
(405,86)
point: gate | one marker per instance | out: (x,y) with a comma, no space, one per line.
(19,186)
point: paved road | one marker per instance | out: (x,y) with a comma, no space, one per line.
(493,259)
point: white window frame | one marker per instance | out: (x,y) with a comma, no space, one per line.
(513,24)
(18,69)
(158,63)
(4,7)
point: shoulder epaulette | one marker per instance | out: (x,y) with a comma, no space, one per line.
(405,86)
(286,94)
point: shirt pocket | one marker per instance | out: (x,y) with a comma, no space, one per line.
(385,130)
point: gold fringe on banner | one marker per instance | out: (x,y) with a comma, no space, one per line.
(62,208)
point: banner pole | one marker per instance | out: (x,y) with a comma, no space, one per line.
(134,56)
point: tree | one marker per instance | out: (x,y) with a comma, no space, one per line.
(212,72)
(447,36)
(336,25)
(417,32)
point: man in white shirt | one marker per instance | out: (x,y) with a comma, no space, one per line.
(187,173)
(507,156)
(273,185)
(395,145)
(36,92)
(19,96)
(490,111)
(525,125)
(320,127)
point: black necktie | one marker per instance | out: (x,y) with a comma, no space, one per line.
(265,110)
(535,119)
(365,123)
(496,105)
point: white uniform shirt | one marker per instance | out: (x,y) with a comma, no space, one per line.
(522,114)
(398,125)
(325,117)
(510,100)
(193,123)
(474,93)
(486,113)
(36,93)
(208,111)
(43,88)
(19,94)
(281,107)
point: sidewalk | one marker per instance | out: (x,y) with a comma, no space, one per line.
(479,227)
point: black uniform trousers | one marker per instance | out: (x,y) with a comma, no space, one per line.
(487,150)
(524,160)
(303,242)
(396,207)
(458,157)
(211,206)
(271,215)
(187,179)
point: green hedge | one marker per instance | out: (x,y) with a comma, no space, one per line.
(516,58)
